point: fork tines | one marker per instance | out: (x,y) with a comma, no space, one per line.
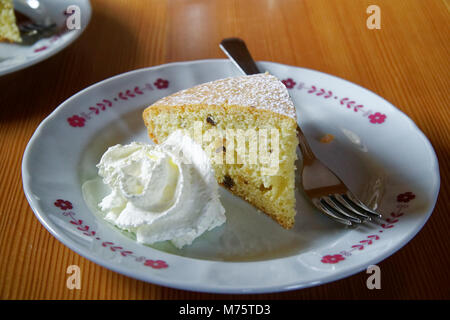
(346,208)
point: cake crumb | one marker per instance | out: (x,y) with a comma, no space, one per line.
(327,138)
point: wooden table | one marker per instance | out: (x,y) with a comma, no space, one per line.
(406,61)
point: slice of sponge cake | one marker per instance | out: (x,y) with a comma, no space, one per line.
(247,125)
(8,28)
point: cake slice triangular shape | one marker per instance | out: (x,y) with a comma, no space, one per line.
(8,27)
(247,125)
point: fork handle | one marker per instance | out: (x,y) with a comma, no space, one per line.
(237,51)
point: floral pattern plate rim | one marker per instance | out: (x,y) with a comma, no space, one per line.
(15,57)
(377,150)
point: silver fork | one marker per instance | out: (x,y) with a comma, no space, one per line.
(327,192)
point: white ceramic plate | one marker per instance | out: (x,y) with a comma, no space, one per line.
(14,57)
(378,151)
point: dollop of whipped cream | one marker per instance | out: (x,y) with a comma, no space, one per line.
(161,192)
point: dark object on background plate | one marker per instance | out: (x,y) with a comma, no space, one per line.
(34,21)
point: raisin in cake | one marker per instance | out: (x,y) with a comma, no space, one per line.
(254,108)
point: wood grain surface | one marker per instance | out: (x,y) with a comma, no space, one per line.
(406,61)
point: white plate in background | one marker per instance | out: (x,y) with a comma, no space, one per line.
(16,56)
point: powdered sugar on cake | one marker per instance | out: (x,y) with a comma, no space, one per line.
(260,91)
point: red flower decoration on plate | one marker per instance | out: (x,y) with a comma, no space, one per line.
(161,83)
(377,117)
(63,204)
(76,121)
(40,49)
(332,258)
(156,264)
(289,83)
(406,197)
